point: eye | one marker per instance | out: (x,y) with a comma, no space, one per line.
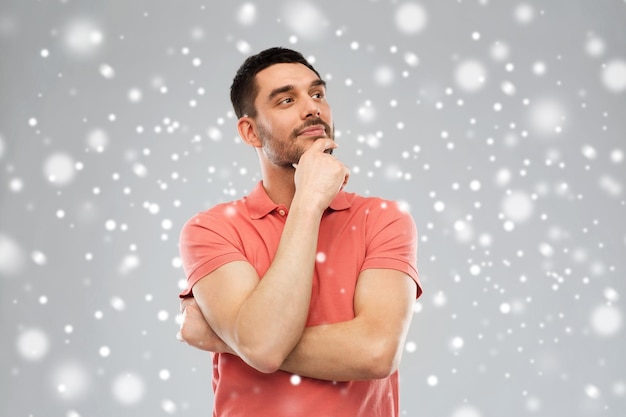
(286,100)
(319,95)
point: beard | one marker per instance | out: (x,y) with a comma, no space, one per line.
(285,153)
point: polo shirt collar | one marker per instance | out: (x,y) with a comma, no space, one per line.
(259,203)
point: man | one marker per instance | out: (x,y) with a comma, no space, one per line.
(302,291)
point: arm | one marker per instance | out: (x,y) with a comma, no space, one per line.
(263,320)
(370,345)
(366,347)
(195,331)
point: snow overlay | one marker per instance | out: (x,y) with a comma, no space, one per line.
(499,125)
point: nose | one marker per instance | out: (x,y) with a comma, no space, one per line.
(311,109)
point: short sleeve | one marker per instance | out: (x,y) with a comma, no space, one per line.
(206,243)
(392,240)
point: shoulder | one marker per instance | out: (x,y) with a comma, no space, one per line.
(220,216)
(379,207)
(383,217)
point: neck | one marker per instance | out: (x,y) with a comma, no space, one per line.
(279,184)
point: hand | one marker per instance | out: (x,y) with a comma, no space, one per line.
(195,331)
(319,175)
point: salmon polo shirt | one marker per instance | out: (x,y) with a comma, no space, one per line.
(356,233)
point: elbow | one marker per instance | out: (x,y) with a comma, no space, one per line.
(383,361)
(263,360)
(382,369)
(263,353)
(266,365)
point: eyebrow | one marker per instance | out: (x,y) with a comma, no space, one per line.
(284,89)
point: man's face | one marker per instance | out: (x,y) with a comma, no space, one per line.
(292,112)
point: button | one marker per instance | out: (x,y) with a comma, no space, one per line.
(281,212)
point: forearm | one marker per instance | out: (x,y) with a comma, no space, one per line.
(345,351)
(335,352)
(271,320)
(370,345)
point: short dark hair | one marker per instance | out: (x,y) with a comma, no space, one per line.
(244,89)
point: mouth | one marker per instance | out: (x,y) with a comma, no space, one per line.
(316,130)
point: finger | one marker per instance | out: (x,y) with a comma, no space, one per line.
(324,144)
(185,302)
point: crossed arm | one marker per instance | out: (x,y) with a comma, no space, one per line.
(366,347)
(263,320)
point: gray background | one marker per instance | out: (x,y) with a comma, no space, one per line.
(500,124)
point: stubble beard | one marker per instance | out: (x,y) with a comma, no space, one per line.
(286,153)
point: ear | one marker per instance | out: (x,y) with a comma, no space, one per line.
(247,129)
